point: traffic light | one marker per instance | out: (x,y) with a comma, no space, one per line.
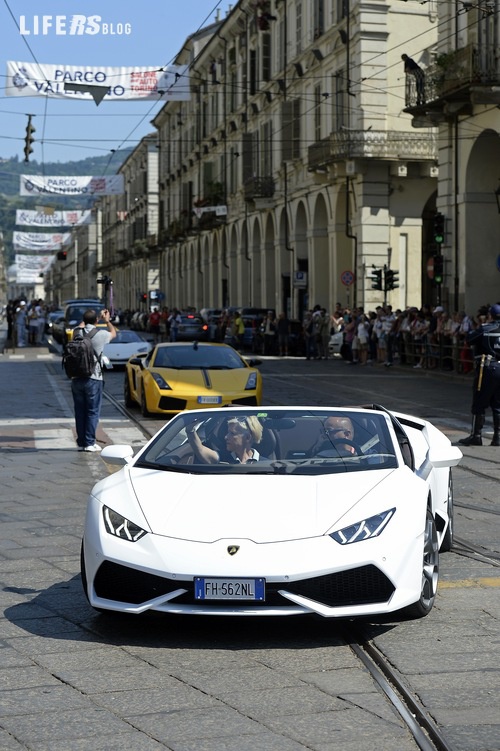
(61,255)
(438,269)
(391,279)
(28,140)
(376,277)
(438,229)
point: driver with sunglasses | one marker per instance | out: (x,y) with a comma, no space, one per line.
(335,429)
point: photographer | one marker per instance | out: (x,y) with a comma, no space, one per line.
(87,392)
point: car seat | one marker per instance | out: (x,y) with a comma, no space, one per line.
(269,444)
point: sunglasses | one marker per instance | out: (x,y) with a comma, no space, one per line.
(345,431)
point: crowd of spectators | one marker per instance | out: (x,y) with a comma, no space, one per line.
(26,322)
(425,338)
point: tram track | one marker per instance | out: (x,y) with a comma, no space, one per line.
(476,552)
(425,732)
(481,509)
(128,414)
(465,468)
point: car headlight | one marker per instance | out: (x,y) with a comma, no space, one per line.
(252,381)
(363,530)
(118,526)
(160,381)
(143,349)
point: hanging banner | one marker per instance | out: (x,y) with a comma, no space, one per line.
(43,218)
(34,79)
(79,185)
(40,240)
(29,268)
(217,210)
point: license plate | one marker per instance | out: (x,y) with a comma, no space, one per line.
(210,400)
(229,589)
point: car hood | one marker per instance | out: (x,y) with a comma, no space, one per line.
(219,380)
(261,508)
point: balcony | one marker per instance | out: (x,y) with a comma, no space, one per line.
(388,145)
(209,220)
(460,78)
(259,187)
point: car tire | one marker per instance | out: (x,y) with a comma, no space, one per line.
(144,405)
(447,543)
(127,396)
(430,572)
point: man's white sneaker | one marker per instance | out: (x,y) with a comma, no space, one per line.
(93,448)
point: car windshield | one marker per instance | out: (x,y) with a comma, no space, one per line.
(209,357)
(280,441)
(75,312)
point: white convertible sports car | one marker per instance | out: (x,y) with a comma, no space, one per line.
(273,511)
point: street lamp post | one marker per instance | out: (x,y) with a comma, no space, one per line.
(75,249)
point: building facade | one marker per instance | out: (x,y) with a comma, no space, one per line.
(293,170)
(462,99)
(129,230)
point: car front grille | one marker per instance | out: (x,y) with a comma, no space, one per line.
(169,403)
(124,584)
(246,401)
(365,585)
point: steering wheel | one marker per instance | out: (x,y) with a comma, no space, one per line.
(336,442)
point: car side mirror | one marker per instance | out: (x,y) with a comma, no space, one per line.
(254,362)
(116,456)
(449,456)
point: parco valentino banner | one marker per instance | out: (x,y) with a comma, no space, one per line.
(48,218)
(33,79)
(40,240)
(78,185)
(29,268)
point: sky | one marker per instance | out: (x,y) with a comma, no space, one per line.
(129,33)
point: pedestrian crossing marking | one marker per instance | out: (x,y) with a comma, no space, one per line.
(54,438)
(62,438)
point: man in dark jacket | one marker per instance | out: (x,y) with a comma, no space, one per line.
(485,343)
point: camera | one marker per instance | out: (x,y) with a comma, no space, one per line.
(106,280)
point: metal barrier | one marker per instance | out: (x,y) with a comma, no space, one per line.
(438,351)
